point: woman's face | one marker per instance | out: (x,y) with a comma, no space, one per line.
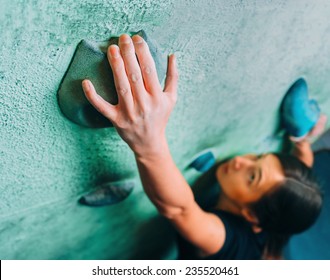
(245,179)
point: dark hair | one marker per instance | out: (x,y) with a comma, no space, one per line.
(289,208)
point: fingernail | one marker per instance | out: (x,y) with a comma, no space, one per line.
(173,57)
(137,39)
(125,39)
(86,84)
(114,53)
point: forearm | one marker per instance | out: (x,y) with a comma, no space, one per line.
(164,183)
(303,151)
(173,197)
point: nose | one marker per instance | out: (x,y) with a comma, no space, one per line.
(241,162)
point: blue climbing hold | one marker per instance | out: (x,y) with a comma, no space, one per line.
(203,162)
(299,114)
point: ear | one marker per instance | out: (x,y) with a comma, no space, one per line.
(249,215)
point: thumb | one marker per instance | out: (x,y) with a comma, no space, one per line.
(105,108)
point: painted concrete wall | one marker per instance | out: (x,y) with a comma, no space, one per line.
(236,60)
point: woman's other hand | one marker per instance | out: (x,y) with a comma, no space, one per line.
(315,132)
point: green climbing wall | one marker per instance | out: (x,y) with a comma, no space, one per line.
(236,60)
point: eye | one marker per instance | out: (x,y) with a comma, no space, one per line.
(259,156)
(252,176)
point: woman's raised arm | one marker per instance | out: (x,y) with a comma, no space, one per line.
(140,118)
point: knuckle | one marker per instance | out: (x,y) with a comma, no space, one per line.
(119,124)
(126,53)
(122,123)
(174,75)
(122,91)
(127,50)
(135,77)
(115,60)
(139,42)
(147,70)
(144,112)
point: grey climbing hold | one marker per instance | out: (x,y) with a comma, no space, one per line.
(108,194)
(90,62)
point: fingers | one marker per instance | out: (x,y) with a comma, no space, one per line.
(132,67)
(104,107)
(319,126)
(147,65)
(171,82)
(122,83)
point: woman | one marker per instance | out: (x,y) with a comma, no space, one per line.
(252,204)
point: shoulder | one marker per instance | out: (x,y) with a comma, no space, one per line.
(240,241)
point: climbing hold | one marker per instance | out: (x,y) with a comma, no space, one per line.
(90,62)
(107,194)
(298,113)
(203,162)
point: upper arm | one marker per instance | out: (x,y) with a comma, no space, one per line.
(204,230)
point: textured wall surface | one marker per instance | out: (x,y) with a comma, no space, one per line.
(236,60)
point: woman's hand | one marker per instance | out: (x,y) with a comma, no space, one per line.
(316,131)
(143,107)
(319,128)
(302,149)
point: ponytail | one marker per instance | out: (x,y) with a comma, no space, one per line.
(289,208)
